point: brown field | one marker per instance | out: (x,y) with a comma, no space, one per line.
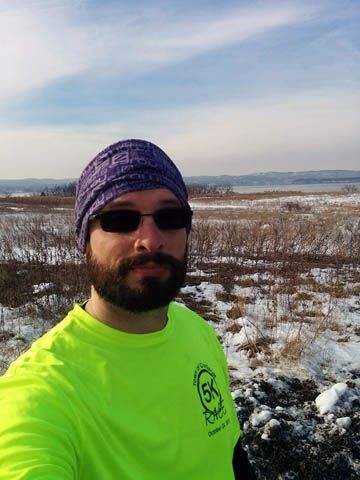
(281,239)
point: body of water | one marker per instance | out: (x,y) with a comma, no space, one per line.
(18,194)
(308,188)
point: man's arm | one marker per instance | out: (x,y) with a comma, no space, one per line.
(242,467)
(36,433)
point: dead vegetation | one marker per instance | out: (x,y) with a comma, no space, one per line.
(289,267)
(33,200)
(275,258)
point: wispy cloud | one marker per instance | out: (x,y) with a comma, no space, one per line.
(43,41)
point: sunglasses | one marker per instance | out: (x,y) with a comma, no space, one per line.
(123,221)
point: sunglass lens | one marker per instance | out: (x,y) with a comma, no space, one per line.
(172,218)
(120,221)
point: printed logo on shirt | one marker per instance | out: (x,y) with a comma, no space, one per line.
(210,396)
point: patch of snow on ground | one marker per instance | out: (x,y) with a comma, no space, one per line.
(327,400)
(41,287)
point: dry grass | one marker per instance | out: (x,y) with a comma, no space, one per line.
(281,244)
(49,201)
(234,327)
(258,195)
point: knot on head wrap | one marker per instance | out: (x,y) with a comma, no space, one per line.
(126,166)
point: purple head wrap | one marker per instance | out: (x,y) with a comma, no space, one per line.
(126,166)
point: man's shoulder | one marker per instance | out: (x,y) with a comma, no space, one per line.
(46,349)
(181,310)
(189,318)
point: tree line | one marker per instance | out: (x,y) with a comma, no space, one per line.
(69,190)
(65,190)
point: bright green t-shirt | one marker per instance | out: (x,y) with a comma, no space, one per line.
(89,402)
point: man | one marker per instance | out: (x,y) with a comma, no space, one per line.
(129,385)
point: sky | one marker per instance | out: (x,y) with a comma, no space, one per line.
(223,86)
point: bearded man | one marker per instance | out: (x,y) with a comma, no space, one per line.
(129,385)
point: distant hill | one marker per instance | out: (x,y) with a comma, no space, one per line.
(37,185)
(32,185)
(279,178)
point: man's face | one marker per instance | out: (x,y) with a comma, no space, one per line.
(143,269)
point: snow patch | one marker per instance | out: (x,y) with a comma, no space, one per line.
(261,418)
(327,400)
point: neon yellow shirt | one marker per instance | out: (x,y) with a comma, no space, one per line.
(89,402)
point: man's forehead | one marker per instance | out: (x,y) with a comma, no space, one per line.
(160,195)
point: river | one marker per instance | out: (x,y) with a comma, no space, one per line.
(308,188)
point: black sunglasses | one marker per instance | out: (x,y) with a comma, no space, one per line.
(123,221)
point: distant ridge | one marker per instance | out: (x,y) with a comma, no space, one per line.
(32,185)
(37,185)
(279,178)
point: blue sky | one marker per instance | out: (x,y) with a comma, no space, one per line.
(224,87)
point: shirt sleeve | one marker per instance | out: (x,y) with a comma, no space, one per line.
(37,434)
(223,362)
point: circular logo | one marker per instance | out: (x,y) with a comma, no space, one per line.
(208,391)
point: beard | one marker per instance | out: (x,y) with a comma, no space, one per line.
(147,293)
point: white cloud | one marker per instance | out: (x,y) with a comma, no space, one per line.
(309,131)
(42,41)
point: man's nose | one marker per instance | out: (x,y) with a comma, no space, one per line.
(149,237)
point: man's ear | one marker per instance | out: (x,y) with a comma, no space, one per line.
(87,252)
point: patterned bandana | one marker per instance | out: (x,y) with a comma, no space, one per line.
(126,166)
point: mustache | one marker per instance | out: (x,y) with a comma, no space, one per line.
(140,260)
